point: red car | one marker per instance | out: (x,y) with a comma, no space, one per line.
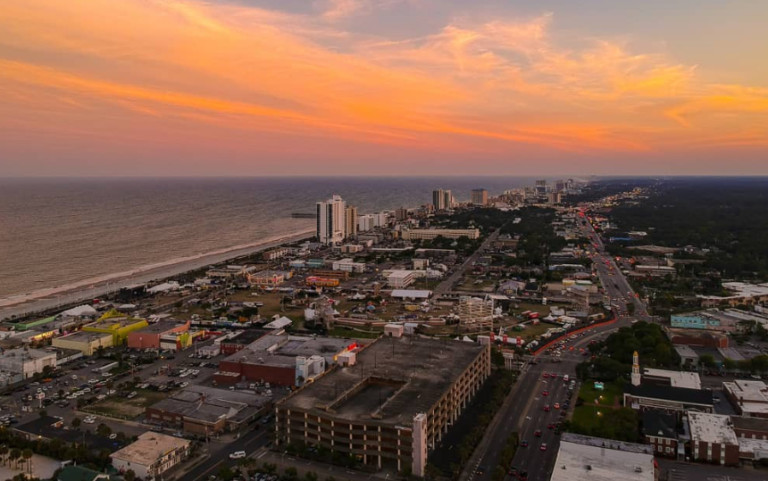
(551,426)
(545,375)
(545,393)
(556,406)
(546,408)
(537,433)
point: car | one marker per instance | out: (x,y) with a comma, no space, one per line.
(545,375)
(113,436)
(556,406)
(545,393)
(237,455)
(524,443)
(551,426)
(543,447)
(537,433)
(546,408)
(89,420)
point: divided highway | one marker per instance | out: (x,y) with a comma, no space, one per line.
(528,410)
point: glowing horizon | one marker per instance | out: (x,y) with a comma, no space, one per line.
(377,87)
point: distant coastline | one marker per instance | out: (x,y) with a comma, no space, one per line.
(48,298)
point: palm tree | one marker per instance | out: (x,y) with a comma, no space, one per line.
(14,457)
(27,455)
(3,453)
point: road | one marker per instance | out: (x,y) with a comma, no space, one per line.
(447,285)
(523,411)
(219,453)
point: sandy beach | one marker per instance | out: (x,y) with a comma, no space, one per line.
(43,299)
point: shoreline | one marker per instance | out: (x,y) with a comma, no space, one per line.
(49,298)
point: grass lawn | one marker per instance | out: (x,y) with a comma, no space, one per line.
(124,408)
(471,284)
(531,331)
(609,395)
(525,306)
(586,416)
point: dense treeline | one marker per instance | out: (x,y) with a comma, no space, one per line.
(727,216)
(613,360)
(537,236)
(606,188)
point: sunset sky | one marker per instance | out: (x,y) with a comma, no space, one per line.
(392,87)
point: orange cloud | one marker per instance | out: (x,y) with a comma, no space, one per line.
(468,87)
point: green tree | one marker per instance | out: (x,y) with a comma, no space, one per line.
(310,476)
(76,422)
(291,473)
(27,455)
(129,475)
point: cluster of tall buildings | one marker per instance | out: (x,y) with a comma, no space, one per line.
(336,220)
(442,199)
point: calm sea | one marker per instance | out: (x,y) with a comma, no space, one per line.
(59,231)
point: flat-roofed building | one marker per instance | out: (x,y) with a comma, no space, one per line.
(118,326)
(668,398)
(713,439)
(86,342)
(585,458)
(274,358)
(269,278)
(25,363)
(430,234)
(149,337)
(206,410)
(690,380)
(392,407)
(151,455)
(401,278)
(750,398)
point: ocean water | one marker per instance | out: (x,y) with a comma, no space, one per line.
(56,232)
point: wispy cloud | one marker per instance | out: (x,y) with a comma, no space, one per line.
(473,86)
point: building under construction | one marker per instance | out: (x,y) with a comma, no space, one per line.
(475,312)
(391,405)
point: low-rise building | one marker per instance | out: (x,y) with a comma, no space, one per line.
(659,429)
(690,380)
(149,337)
(116,325)
(742,293)
(586,458)
(750,398)
(274,358)
(25,363)
(151,455)
(713,439)
(269,278)
(431,234)
(238,340)
(400,279)
(275,254)
(668,398)
(203,410)
(86,342)
(348,265)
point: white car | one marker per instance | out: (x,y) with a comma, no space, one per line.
(89,420)
(237,455)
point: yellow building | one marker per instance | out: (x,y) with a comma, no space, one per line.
(116,324)
(86,342)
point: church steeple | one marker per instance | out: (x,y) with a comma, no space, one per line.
(635,369)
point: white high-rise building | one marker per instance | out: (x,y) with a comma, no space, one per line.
(331,220)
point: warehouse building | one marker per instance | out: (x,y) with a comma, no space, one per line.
(279,359)
(149,337)
(749,397)
(86,342)
(204,410)
(23,363)
(585,458)
(392,406)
